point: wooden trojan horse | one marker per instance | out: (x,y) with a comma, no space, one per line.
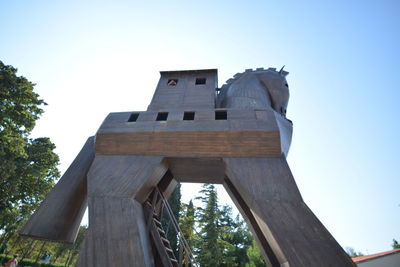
(192,131)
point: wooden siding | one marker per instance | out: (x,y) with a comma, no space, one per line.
(191,144)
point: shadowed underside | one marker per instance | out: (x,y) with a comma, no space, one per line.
(237,136)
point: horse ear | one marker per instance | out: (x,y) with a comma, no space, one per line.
(282,72)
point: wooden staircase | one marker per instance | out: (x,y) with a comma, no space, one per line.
(162,244)
(163,253)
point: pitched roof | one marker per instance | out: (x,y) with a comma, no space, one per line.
(374,256)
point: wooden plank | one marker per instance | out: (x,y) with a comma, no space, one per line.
(185,93)
(295,235)
(160,246)
(197,170)
(125,176)
(191,144)
(117,185)
(167,184)
(60,214)
(117,235)
(285,132)
(266,250)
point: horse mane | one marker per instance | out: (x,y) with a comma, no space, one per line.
(223,90)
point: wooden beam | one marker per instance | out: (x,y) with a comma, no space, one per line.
(117,232)
(295,235)
(117,235)
(191,144)
(59,216)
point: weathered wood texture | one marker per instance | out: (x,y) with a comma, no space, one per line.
(197,170)
(60,214)
(244,148)
(294,234)
(117,235)
(186,93)
(256,89)
(125,176)
(266,250)
(117,185)
(245,133)
(191,144)
(167,184)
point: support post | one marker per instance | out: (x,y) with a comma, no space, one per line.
(117,235)
(294,234)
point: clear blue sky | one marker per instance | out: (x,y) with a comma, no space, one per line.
(89,58)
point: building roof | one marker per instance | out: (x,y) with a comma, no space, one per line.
(374,256)
(188,71)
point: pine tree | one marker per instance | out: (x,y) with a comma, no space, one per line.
(208,250)
(174,202)
(395,244)
(217,238)
(187,223)
(235,238)
(254,255)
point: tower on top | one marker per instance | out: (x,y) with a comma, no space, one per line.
(185,89)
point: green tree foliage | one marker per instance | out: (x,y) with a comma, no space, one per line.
(31,251)
(352,252)
(175,203)
(187,223)
(76,247)
(235,238)
(254,256)
(219,238)
(28,167)
(395,244)
(209,250)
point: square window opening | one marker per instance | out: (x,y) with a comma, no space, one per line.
(200,81)
(221,115)
(172,82)
(162,116)
(133,117)
(188,116)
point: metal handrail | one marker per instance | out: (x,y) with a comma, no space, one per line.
(183,242)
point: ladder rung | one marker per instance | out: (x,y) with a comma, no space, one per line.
(166,241)
(173,260)
(161,231)
(157,222)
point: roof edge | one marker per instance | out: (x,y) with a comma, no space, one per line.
(188,71)
(375,256)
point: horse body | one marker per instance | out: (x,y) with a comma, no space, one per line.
(135,153)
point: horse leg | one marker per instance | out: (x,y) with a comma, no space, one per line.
(117,187)
(287,230)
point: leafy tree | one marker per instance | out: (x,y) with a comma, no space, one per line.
(28,167)
(235,238)
(254,256)
(59,250)
(175,203)
(395,244)
(352,252)
(208,249)
(222,240)
(187,223)
(76,247)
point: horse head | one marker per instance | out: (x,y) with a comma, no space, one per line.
(256,89)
